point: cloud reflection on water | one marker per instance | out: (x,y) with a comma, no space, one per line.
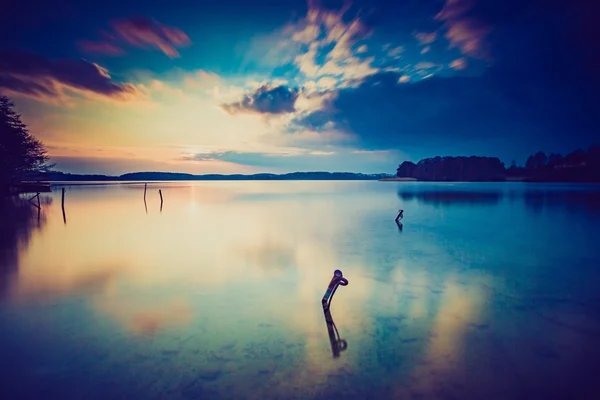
(233,280)
(148,317)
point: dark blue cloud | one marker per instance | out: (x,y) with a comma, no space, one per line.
(539,91)
(33,75)
(265,100)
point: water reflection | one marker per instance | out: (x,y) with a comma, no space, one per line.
(577,200)
(270,255)
(146,317)
(337,345)
(61,281)
(218,296)
(399,225)
(450,197)
(19,220)
(536,197)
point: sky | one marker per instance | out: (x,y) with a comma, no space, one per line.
(236,86)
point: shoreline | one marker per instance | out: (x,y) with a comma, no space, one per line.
(507,180)
(398,179)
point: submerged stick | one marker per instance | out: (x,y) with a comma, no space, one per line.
(337,280)
(161,199)
(38,200)
(63,206)
(145,186)
(400,216)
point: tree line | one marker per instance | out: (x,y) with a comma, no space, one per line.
(578,166)
(20,153)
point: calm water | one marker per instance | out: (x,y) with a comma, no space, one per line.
(489,291)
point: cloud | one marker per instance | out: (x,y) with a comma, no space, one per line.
(322,159)
(100,48)
(426,38)
(468,35)
(395,52)
(242,158)
(35,76)
(145,33)
(425,49)
(424,68)
(386,115)
(352,71)
(321,44)
(459,63)
(463,31)
(327,82)
(306,62)
(308,34)
(492,112)
(86,164)
(265,100)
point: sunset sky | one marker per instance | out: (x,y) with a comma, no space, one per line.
(278,86)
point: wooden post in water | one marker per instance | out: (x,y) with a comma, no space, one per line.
(161,199)
(38,200)
(62,203)
(145,205)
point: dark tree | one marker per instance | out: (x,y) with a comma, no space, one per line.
(454,169)
(554,159)
(406,169)
(20,153)
(536,161)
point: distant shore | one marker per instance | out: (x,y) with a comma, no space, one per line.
(397,179)
(56,176)
(403,179)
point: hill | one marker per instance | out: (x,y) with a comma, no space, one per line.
(174,176)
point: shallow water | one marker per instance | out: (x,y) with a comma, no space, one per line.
(487,291)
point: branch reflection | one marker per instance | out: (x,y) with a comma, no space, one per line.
(400,226)
(337,345)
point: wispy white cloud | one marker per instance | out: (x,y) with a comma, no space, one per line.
(462,31)
(459,63)
(426,68)
(425,38)
(395,52)
(146,33)
(320,45)
(306,61)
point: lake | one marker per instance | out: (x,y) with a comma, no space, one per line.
(486,291)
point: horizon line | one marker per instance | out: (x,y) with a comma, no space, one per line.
(220,174)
